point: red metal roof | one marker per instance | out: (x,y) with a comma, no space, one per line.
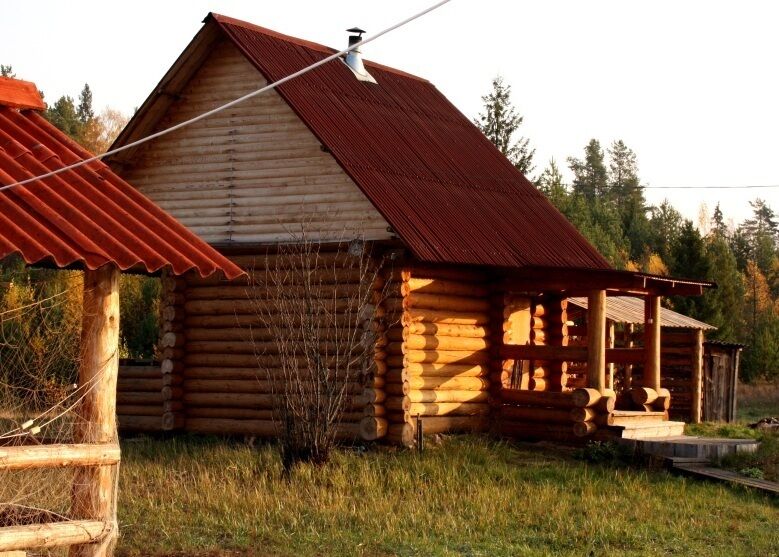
(86,216)
(449,194)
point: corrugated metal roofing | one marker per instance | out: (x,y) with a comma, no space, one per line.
(87,216)
(628,309)
(449,194)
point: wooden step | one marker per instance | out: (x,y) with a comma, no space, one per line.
(703,448)
(629,417)
(649,429)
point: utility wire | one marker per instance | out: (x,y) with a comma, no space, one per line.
(219,109)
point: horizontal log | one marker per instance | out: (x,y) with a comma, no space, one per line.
(139,372)
(400,434)
(142,398)
(372,428)
(531,414)
(267,387)
(270,348)
(437,342)
(58,456)
(448,396)
(135,385)
(582,429)
(449,383)
(439,302)
(397,403)
(442,286)
(569,353)
(446,370)
(254,307)
(536,430)
(417,315)
(539,399)
(451,424)
(354,331)
(229,400)
(262,321)
(448,409)
(397,389)
(140,410)
(230,413)
(442,273)
(438,357)
(275,374)
(140,423)
(54,534)
(327,292)
(261,428)
(444,329)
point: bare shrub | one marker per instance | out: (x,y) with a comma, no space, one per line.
(317,306)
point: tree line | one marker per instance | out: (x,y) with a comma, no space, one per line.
(605,200)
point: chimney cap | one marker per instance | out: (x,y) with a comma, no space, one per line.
(356,30)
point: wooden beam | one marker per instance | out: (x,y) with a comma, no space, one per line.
(596,340)
(569,353)
(94,489)
(652,342)
(696,404)
(57,456)
(55,534)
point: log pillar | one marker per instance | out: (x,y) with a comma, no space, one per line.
(94,488)
(596,340)
(696,404)
(652,342)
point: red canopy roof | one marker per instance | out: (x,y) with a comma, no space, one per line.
(86,216)
(450,195)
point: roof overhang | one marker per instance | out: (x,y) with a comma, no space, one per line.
(573,282)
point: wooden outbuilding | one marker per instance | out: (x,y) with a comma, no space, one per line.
(478,265)
(81,218)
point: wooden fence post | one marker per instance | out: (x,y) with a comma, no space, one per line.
(94,489)
(596,340)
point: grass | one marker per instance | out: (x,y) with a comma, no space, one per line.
(468,496)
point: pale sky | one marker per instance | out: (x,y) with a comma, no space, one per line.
(691,86)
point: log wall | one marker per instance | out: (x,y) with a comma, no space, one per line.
(250,174)
(438,351)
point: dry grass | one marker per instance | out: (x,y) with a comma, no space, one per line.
(470,496)
(758,400)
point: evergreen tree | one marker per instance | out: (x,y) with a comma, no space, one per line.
(718,226)
(590,174)
(84,112)
(552,184)
(727,300)
(666,225)
(500,121)
(64,115)
(627,194)
(690,260)
(6,71)
(761,358)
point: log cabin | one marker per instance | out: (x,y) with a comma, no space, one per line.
(473,335)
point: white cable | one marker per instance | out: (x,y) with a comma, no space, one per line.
(231,103)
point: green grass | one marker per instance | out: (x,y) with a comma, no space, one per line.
(468,496)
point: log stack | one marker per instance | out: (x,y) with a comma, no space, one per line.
(171,349)
(548,327)
(438,352)
(562,416)
(139,398)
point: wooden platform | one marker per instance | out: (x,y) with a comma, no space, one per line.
(682,446)
(698,470)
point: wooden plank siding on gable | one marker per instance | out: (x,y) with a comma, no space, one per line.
(253,173)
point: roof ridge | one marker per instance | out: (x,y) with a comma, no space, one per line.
(224,19)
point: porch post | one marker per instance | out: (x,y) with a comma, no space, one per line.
(652,342)
(697,377)
(94,490)
(596,340)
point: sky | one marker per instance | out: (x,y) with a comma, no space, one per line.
(691,86)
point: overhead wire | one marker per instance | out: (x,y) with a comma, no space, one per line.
(232,103)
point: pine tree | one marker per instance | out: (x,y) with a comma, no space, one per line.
(590,174)
(500,121)
(6,71)
(666,225)
(64,115)
(552,184)
(727,300)
(85,112)
(690,260)
(718,226)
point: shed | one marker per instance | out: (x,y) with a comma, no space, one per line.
(479,263)
(83,218)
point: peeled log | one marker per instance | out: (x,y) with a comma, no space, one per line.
(443,357)
(417,315)
(441,286)
(139,410)
(443,329)
(230,413)
(139,398)
(451,424)
(250,307)
(254,320)
(540,399)
(543,415)
(135,385)
(448,396)
(430,342)
(443,370)
(581,429)
(398,389)
(138,372)
(643,395)
(260,387)
(401,434)
(397,404)
(585,397)
(229,400)
(449,409)
(373,428)
(140,423)
(440,302)
(449,383)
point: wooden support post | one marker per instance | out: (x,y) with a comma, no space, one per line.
(628,367)
(652,342)
(696,404)
(610,341)
(94,489)
(596,340)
